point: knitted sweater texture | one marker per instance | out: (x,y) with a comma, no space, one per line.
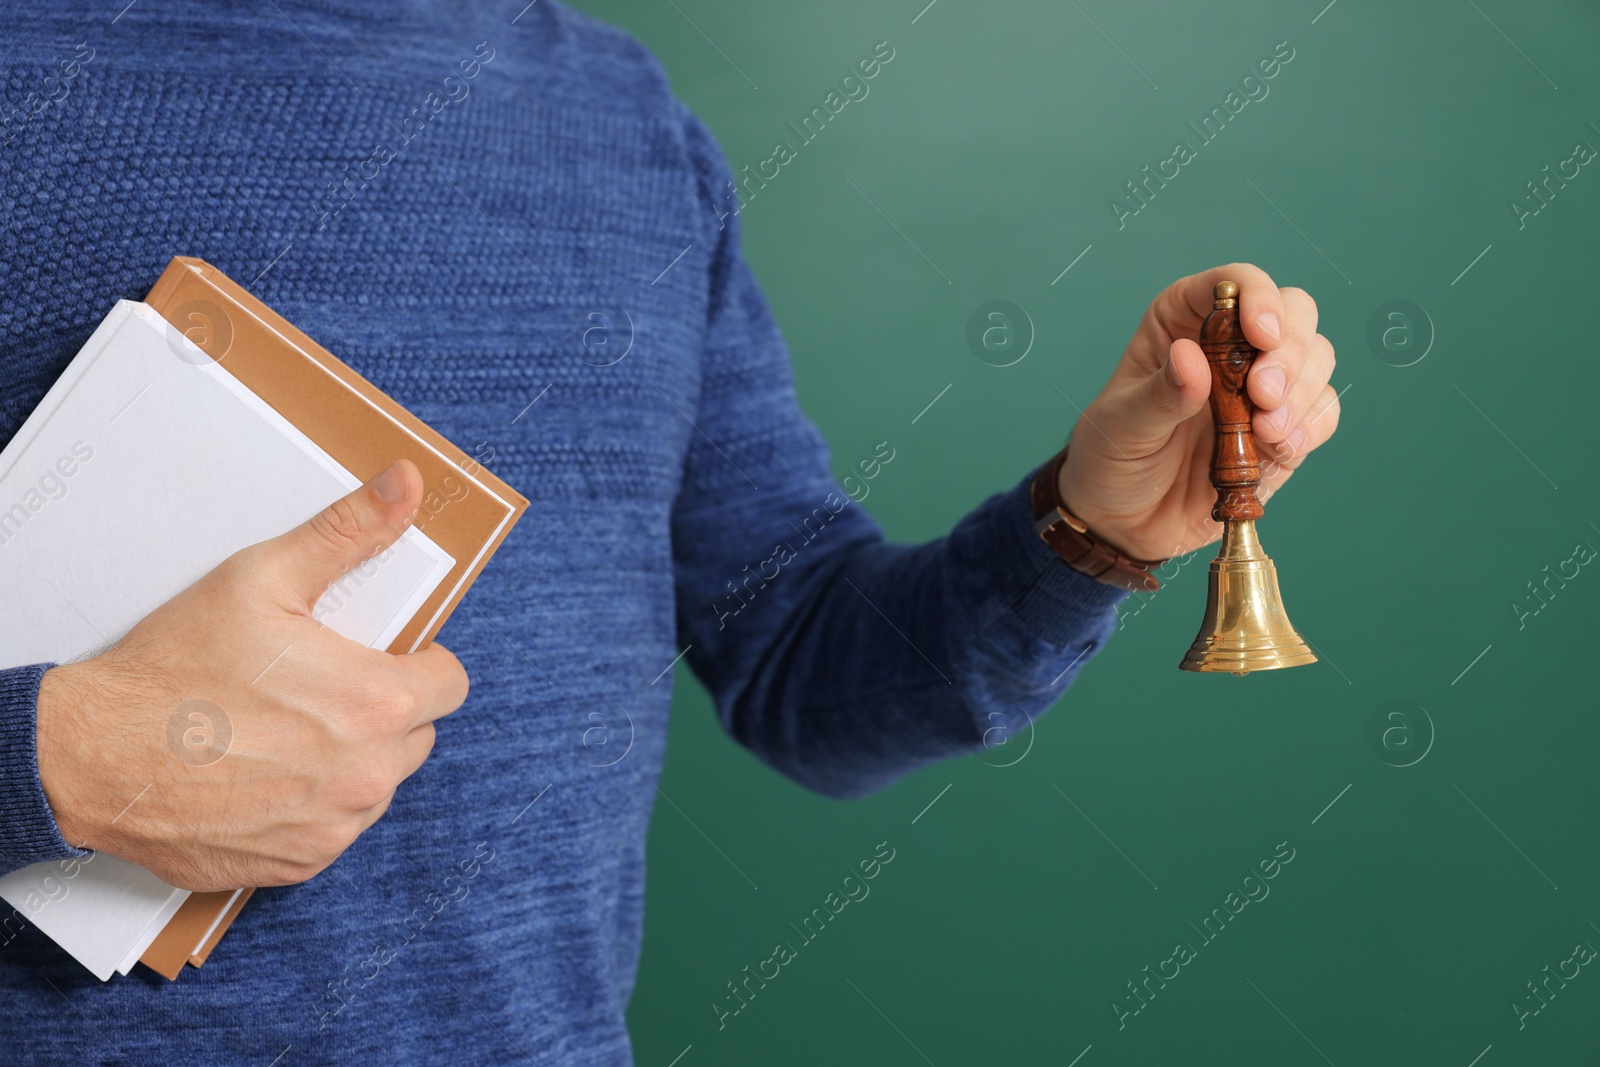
(455,203)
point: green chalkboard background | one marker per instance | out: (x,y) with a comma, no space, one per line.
(1442,859)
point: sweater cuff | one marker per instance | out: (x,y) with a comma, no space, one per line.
(1051,599)
(28,830)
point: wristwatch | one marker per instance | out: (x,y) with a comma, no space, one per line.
(1072,540)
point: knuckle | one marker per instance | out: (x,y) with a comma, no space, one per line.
(1271,428)
(319,845)
(1307,392)
(1324,348)
(333,840)
(460,683)
(1302,302)
(1286,459)
(428,737)
(1330,416)
(395,705)
(1160,395)
(239,567)
(364,790)
(374,815)
(339,525)
(1258,283)
(384,706)
(1305,362)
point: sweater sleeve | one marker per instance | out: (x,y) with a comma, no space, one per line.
(28,831)
(841,660)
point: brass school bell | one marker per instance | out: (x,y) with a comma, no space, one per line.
(1245,628)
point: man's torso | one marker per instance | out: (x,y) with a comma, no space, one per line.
(484,247)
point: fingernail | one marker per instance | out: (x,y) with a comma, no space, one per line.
(391,484)
(1273,380)
(1172,371)
(1268,320)
(1295,440)
(1276,418)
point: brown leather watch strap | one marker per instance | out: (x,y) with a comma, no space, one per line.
(1072,540)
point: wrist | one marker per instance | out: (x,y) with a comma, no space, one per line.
(58,718)
(1069,491)
(1079,545)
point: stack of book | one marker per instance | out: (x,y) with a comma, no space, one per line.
(189,426)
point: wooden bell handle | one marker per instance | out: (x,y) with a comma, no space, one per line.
(1235,461)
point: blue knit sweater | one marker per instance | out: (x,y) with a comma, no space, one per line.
(472,211)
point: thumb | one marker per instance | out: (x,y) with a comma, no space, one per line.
(1148,411)
(352,529)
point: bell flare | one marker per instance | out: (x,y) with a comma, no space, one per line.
(1246,628)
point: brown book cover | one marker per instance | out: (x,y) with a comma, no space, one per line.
(466,510)
(191,933)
